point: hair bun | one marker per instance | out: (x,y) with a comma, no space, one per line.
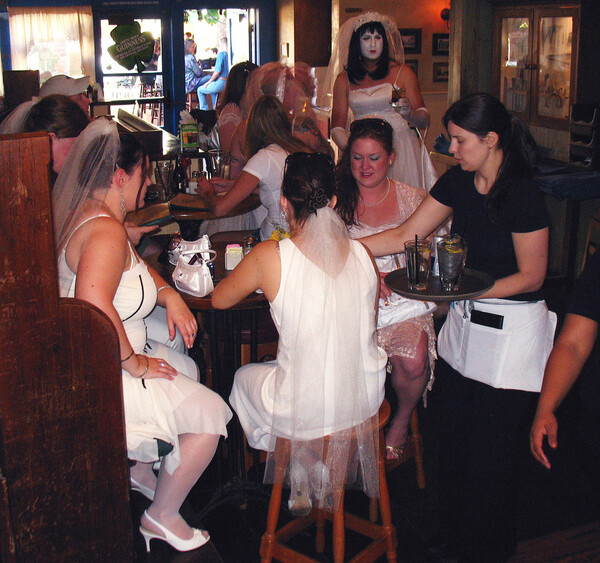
(316,200)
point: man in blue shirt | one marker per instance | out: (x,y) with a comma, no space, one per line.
(216,82)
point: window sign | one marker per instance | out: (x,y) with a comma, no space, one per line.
(132,46)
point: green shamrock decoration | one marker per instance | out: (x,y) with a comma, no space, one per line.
(132,47)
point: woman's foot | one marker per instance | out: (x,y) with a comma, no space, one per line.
(174,530)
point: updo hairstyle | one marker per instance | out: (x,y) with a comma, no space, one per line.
(308,183)
(346,187)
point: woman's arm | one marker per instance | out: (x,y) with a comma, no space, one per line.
(416,114)
(572,349)
(427,217)
(102,259)
(178,313)
(531,250)
(260,269)
(305,129)
(221,205)
(339,111)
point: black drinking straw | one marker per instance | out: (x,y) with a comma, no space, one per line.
(417,259)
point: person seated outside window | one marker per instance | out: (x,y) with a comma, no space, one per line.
(216,81)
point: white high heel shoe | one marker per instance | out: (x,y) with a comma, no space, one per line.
(196,541)
(142,489)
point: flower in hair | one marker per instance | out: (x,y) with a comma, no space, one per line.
(316,200)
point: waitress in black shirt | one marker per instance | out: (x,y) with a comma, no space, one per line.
(487,383)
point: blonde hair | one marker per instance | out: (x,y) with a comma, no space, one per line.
(269,124)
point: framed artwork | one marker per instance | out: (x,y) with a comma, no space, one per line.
(441,45)
(440,72)
(414,64)
(411,41)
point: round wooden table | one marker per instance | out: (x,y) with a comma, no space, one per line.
(224,327)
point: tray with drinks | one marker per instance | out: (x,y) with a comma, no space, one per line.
(472,283)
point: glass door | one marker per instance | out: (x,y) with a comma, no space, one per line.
(555,71)
(515,62)
(135,82)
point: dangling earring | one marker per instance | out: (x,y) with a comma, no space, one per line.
(123,210)
(389,162)
(284,215)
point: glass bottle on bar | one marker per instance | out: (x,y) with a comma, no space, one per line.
(179,184)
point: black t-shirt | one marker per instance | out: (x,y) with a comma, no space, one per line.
(585,299)
(490,245)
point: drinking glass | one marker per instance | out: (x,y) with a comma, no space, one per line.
(219,162)
(418,263)
(452,254)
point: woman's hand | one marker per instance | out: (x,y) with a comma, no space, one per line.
(384,290)
(136,233)
(180,316)
(205,188)
(544,424)
(221,185)
(145,367)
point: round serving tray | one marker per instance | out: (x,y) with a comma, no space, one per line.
(473,283)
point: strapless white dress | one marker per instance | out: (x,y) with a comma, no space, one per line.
(412,164)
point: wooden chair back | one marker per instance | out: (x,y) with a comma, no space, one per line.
(63,461)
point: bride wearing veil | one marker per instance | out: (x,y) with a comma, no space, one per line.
(169,416)
(329,375)
(366,72)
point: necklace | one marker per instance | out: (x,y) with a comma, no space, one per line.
(380,201)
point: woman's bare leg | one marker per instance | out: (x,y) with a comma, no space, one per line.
(409,378)
(197,451)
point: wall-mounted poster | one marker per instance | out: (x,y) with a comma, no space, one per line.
(440,72)
(441,45)
(411,41)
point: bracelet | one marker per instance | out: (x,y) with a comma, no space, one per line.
(166,286)
(125,359)
(145,371)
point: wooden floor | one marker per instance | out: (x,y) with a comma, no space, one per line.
(557,520)
(581,543)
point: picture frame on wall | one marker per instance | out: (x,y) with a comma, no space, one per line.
(411,40)
(414,64)
(440,72)
(441,45)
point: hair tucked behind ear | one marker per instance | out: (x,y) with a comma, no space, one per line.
(482,113)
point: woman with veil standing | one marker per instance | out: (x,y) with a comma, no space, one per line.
(366,71)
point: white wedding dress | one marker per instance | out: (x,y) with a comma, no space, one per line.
(412,164)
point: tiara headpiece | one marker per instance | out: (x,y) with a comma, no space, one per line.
(373,17)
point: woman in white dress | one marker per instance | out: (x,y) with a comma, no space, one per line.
(329,375)
(168,415)
(365,70)
(269,140)
(369,202)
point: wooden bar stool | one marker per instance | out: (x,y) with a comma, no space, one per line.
(191,100)
(383,535)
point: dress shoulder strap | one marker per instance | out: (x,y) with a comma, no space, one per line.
(398,74)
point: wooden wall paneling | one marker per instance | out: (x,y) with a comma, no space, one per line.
(62,440)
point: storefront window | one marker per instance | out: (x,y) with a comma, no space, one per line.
(121,83)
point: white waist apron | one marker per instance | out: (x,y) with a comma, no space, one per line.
(513,357)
